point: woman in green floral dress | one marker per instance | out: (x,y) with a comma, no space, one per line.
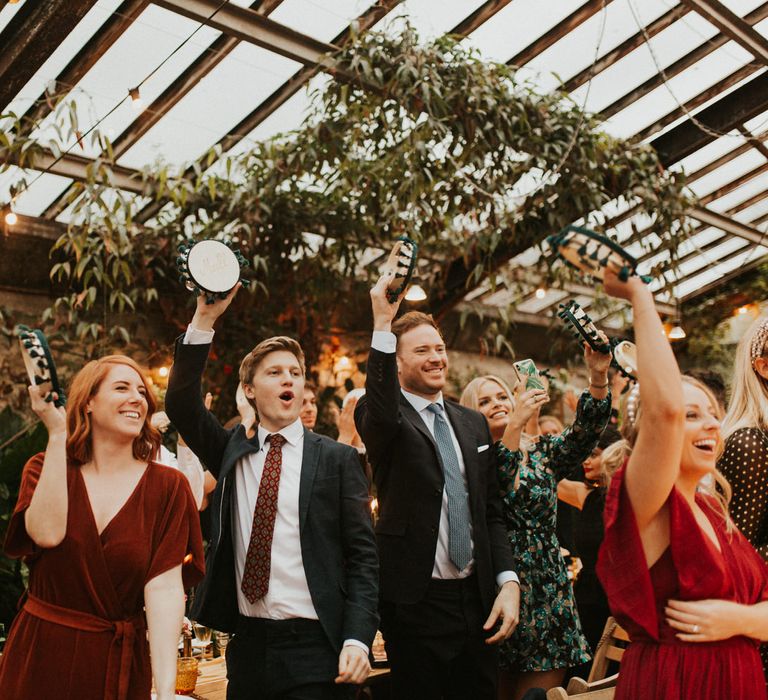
(548,639)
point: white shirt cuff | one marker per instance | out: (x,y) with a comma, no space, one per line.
(355,643)
(506,577)
(193,336)
(384,341)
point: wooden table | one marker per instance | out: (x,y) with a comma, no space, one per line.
(212,681)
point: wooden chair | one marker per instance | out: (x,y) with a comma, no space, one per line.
(561,694)
(610,648)
(579,685)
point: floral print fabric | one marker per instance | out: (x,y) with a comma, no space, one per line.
(549,635)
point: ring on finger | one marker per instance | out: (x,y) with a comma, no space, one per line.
(695,629)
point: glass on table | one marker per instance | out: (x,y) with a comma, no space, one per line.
(186,675)
(202,633)
(222,639)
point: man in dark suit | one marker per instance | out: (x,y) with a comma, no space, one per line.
(447,576)
(292,567)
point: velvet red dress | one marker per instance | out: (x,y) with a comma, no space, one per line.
(657,664)
(81,632)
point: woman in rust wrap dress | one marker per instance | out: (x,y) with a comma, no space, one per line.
(110,538)
(681,579)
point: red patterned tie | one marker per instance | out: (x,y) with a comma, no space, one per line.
(258,559)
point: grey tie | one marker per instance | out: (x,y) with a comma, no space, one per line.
(459,542)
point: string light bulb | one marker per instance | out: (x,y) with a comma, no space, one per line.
(541,293)
(135,96)
(11,218)
(163,371)
(416,293)
(677,332)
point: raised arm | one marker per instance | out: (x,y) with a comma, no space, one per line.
(46,517)
(184,404)
(377,415)
(655,461)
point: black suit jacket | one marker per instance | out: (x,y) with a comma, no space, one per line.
(337,541)
(408,474)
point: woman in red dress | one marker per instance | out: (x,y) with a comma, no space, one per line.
(110,538)
(680,578)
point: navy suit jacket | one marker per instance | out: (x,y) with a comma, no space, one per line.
(337,542)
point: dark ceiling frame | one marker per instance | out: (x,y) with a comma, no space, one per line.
(32,35)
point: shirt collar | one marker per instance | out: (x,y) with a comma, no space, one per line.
(292,433)
(419,402)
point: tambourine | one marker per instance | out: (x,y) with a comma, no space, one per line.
(39,363)
(210,268)
(582,326)
(402,262)
(625,358)
(593,253)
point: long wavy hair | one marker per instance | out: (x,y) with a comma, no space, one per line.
(84,386)
(469,398)
(748,407)
(717,488)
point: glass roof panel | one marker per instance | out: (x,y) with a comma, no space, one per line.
(321,20)
(709,153)
(529,18)
(431,20)
(38,196)
(214,106)
(675,92)
(756,211)
(711,274)
(734,198)
(139,51)
(533,304)
(758,124)
(741,7)
(601,33)
(728,172)
(64,53)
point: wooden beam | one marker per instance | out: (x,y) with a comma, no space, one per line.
(77,167)
(755,141)
(35,227)
(85,59)
(248,25)
(677,67)
(626,47)
(280,96)
(171,96)
(575,19)
(725,223)
(480,16)
(732,26)
(32,35)
(737,107)
(726,158)
(734,184)
(702,98)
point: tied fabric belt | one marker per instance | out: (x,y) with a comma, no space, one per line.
(121,650)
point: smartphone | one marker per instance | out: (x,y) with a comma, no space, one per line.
(528,375)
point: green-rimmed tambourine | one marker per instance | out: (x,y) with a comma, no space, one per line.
(592,253)
(210,268)
(401,262)
(624,353)
(582,326)
(39,363)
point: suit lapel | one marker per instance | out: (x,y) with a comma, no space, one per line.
(238,448)
(309,459)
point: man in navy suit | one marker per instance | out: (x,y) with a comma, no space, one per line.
(292,568)
(448,590)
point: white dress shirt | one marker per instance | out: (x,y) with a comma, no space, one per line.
(288,594)
(443,568)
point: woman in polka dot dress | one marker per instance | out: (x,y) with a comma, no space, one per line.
(744,461)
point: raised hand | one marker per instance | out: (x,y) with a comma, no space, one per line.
(526,405)
(614,287)
(384,311)
(206,314)
(54,419)
(597,362)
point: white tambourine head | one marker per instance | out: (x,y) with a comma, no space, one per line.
(626,356)
(213,266)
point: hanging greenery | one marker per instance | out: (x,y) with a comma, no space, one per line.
(424,139)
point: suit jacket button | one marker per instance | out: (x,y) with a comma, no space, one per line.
(438,492)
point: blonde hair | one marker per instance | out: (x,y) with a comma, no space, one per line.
(748,407)
(469,398)
(717,488)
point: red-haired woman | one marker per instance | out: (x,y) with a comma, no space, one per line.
(107,534)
